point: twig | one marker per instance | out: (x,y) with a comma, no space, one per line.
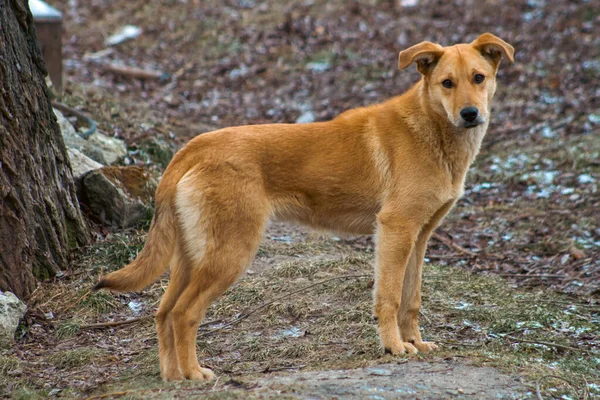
(130,321)
(533,275)
(549,344)
(92,125)
(538,388)
(451,245)
(112,324)
(86,294)
(443,257)
(246,314)
(49,300)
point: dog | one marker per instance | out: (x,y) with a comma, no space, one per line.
(394,169)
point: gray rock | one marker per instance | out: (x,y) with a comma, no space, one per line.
(99,147)
(119,197)
(71,138)
(11,311)
(306,118)
(81,164)
(104,149)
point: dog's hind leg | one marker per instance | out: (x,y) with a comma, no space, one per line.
(230,227)
(222,266)
(169,366)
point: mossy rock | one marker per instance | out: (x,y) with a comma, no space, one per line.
(119,197)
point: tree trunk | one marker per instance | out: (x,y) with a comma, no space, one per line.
(40,220)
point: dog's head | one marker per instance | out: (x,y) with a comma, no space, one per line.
(459,80)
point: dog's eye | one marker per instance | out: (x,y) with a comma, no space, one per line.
(447,83)
(479,78)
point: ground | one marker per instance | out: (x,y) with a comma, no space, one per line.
(512,277)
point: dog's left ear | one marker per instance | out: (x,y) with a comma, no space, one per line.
(493,48)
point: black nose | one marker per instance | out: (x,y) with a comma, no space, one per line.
(469,114)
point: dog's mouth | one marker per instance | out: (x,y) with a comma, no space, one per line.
(472,124)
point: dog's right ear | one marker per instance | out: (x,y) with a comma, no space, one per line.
(425,54)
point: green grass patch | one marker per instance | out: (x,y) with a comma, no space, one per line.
(67,329)
(75,358)
(100,302)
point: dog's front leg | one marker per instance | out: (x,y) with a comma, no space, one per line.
(411,290)
(395,242)
(411,299)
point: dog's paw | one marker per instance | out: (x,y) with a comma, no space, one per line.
(425,347)
(401,348)
(169,376)
(201,374)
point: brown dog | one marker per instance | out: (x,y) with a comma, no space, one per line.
(394,168)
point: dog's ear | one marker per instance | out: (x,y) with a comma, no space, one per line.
(493,48)
(425,54)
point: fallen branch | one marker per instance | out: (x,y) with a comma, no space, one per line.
(549,344)
(112,324)
(538,384)
(130,321)
(136,73)
(533,275)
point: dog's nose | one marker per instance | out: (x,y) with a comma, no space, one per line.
(469,114)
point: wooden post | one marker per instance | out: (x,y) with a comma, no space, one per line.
(48,25)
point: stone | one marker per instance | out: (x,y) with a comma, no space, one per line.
(11,311)
(81,164)
(105,149)
(119,197)
(70,137)
(99,147)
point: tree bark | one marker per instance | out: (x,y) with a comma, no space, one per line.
(40,220)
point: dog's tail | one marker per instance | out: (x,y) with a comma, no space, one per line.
(156,255)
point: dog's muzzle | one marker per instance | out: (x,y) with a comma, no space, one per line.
(471,117)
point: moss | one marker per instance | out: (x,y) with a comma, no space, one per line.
(42,269)
(159,150)
(73,239)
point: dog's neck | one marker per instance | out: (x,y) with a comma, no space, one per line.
(455,148)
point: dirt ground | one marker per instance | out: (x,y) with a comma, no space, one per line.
(512,282)
(407,380)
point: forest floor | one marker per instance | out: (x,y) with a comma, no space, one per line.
(512,281)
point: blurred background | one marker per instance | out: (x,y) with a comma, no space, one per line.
(154,74)
(170,70)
